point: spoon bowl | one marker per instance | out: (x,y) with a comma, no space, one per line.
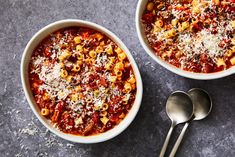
(202,102)
(179,107)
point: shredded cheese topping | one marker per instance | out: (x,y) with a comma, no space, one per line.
(186,30)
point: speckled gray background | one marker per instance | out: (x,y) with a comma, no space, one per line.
(21,134)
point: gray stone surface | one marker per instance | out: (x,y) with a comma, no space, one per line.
(21,134)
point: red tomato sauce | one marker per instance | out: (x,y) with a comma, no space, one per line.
(82,81)
(196,36)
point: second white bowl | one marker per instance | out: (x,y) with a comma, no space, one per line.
(142,37)
(43,33)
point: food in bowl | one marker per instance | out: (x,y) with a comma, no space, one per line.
(193,35)
(82,81)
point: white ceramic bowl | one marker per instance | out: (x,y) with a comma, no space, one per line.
(36,39)
(141,34)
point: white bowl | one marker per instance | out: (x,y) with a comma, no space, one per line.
(142,37)
(36,39)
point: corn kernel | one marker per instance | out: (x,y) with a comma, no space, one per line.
(118,50)
(99,36)
(78,121)
(217,2)
(96,108)
(177,55)
(61,58)
(102,43)
(185,25)
(232,60)
(61,64)
(119,66)
(99,49)
(74,97)
(174,22)
(46,96)
(122,56)
(80,95)
(196,10)
(60,94)
(122,115)
(104,120)
(150,6)
(113,78)
(78,88)
(109,50)
(119,77)
(133,86)
(77,40)
(96,92)
(154,12)
(65,54)
(233,23)
(131,80)
(233,49)
(220,62)
(156,29)
(195,2)
(79,48)
(69,78)
(233,41)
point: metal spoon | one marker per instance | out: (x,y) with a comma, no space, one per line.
(202,107)
(179,108)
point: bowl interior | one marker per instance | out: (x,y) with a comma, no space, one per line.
(36,39)
(144,42)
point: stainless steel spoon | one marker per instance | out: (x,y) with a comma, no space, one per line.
(179,108)
(202,107)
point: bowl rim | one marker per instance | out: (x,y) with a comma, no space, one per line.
(198,76)
(25,84)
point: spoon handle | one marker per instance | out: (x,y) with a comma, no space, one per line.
(166,141)
(177,144)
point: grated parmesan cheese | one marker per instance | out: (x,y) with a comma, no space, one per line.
(209,31)
(67,76)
